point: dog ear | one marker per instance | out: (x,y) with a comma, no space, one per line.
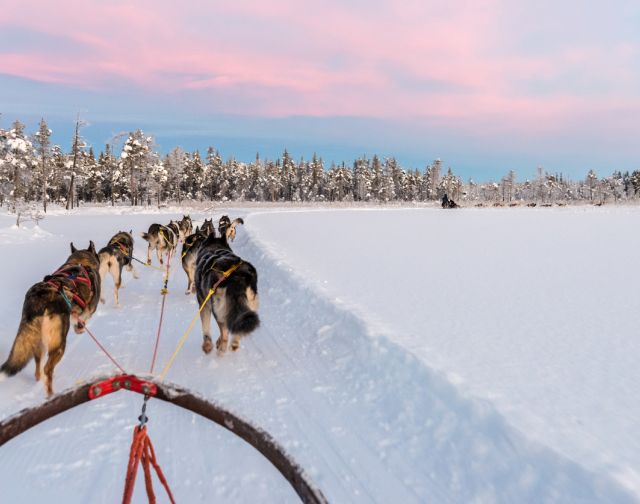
(73,248)
(197,229)
(92,247)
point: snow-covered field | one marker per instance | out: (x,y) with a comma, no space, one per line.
(412,355)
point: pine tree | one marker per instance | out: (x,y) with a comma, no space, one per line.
(43,149)
(17,164)
(362,179)
(92,189)
(136,159)
(214,170)
(288,176)
(317,182)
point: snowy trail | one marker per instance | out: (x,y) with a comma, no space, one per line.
(367,420)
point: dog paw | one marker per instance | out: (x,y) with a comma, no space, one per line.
(207,346)
(221,346)
(235,345)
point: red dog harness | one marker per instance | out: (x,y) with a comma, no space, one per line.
(66,282)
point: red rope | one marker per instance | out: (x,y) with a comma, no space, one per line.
(84,324)
(142,452)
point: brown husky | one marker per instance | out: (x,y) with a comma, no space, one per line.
(161,238)
(185,226)
(115,256)
(227,227)
(72,292)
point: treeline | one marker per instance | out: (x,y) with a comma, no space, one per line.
(32,170)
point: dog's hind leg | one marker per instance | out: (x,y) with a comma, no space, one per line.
(149,253)
(131,268)
(159,253)
(205,320)
(191,287)
(37,355)
(105,266)
(54,332)
(223,340)
(116,273)
(235,342)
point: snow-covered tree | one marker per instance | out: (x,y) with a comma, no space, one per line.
(42,143)
(17,164)
(136,159)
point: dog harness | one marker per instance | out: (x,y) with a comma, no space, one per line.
(188,246)
(123,248)
(66,282)
(164,236)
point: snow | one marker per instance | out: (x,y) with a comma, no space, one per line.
(17,144)
(403,356)
(23,234)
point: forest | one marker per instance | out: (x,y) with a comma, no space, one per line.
(129,170)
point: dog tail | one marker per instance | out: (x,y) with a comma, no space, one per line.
(244,322)
(242,316)
(145,236)
(29,335)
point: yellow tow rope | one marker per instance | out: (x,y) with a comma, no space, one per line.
(212,291)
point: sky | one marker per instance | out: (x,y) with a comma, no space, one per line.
(488,86)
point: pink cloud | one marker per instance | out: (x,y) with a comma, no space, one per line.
(383,59)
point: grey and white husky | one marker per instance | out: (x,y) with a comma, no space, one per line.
(235,302)
(116,255)
(190,249)
(161,239)
(72,292)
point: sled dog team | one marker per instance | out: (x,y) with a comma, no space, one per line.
(70,295)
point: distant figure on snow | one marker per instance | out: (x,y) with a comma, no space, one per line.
(448,203)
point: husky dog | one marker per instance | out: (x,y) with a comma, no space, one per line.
(116,255)
(228,228)
(173,226)
(186,227)
(161,238)
(190,249)
(235,302)
(207,227)
(49,306)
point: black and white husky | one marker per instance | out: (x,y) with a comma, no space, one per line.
(68,296)
(234,304)
(190,249)
(115,256)
(161,239)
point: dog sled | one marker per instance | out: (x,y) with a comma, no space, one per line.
(261,440)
